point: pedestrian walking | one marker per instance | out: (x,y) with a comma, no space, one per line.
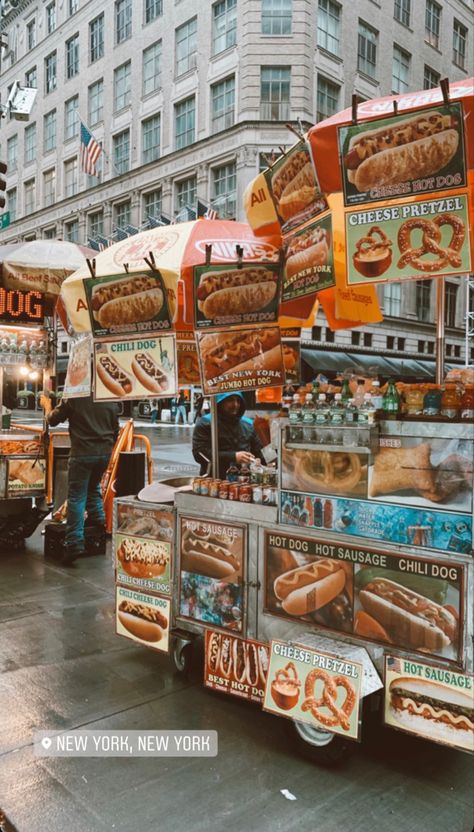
(154,411)
(181,409)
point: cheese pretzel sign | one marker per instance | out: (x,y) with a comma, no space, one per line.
(431,243)
(340,715)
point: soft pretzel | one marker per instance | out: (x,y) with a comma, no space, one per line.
(340,715)
(431,239)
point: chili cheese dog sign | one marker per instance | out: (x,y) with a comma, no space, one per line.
(143,618)
(314,687)
(135,368)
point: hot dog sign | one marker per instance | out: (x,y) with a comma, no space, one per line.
(135,368)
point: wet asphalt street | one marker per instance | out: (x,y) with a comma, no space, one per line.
(63,667)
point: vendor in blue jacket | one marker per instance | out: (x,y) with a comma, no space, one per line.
(238,442)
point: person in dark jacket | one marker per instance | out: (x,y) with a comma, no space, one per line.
(238,442)
(93,428)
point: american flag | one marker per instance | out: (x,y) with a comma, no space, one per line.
(90,151)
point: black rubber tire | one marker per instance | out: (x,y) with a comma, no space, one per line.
(182,657)
(321,747)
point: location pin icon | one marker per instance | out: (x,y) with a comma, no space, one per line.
(46,742)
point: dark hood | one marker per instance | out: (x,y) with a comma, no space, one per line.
(222,396)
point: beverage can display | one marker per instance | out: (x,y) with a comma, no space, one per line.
(214,488)
(234,491)
(245,493)
(223,490)
(257,494)
(204,487)
(196,484)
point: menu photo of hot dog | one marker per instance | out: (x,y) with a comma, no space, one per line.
(139,519)
(127,303)
(414,153)
(309,265)
(143,618)
(294,187)
(230,296)
(235,665)
(241,359)
(78,376)
(144,563)
(135,368)
(321,689)
(430,701)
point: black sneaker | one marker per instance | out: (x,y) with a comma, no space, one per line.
(71,555)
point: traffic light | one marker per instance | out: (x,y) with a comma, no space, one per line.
(3,184)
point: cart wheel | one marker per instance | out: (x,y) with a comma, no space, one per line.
(321,747)
(182,655)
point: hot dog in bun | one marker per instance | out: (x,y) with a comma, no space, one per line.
(412,620)
(307,250)
(207,557)
(433,709)
(294,185)
(144,622)
(149,373)
(239,351)
(142,558)
(411,149)
(308,588)
(113,376)
(126,301)
(236,291)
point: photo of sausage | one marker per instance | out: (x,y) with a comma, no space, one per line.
(79,362)
(410,149)
(307,250)
(433,710)
(209,557)
(411,619)
(149,373)
(142,558)
(242,350)
(113,376)
(243,661)
(132,299)
(294,184)
(308,588)
(142,621)
(235,291)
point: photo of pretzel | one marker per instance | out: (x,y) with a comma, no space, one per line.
(370,245)
(328,699)
(329,472)
(431,243)
(285,688)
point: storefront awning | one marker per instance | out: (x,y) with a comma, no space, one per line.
(389,367)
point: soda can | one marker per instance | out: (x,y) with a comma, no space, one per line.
(257,495)
(234,491)
(204,487)
(214,488)
(196,485)
(245,493)
(223,490)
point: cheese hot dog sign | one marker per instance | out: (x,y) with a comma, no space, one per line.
(124,304)
(135,368)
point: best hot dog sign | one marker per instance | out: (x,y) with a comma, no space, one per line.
(135,368)
(314,687)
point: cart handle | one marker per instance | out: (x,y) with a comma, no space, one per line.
(146,442)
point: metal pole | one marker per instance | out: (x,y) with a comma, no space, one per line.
(214,439)
(440,336)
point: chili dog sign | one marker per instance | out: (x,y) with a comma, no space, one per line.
(414,604)
(235,665)
(407,240)
(317,688)
(135,368)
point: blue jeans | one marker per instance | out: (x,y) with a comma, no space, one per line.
(180,413)
(84,494)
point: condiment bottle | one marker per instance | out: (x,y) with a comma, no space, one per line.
(414,401)
(391,402)
(467,403)
(432,402)
(450,402)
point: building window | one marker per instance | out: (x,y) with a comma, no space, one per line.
(31,78)
(122,214)
(49,233)
(329,336)
(224,25)
(186,46)
(71,118)
(153,9)
(421,347)
(275,93)
(367,339)
(96,223)
(49,187)
(223,104)
(355,338)
(151,129)
(31,34)
(30,143)
(367,49)
(12,152)
(184,122)
(11,204)
(121,151)
(186,193)
(72,56)
(152,204)
(423,300)
(224,189)
(430,78)
(122,86)
(401,342)
(450,304)
(123,20)
(329,20)
(73,7)
(30,197)
(392,300)
(390,342)
(400,70)
(268,159)
(459,44)
(276,17)
(50,72)
(401,11)
(152,68)
(327,98)
(50,18)
(70,177)
(49,131)
(432,23)
(96,102)
(71,231)
(96,39)
(316,333)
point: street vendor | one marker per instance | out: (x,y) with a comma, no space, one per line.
(93,428)
(237,440)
